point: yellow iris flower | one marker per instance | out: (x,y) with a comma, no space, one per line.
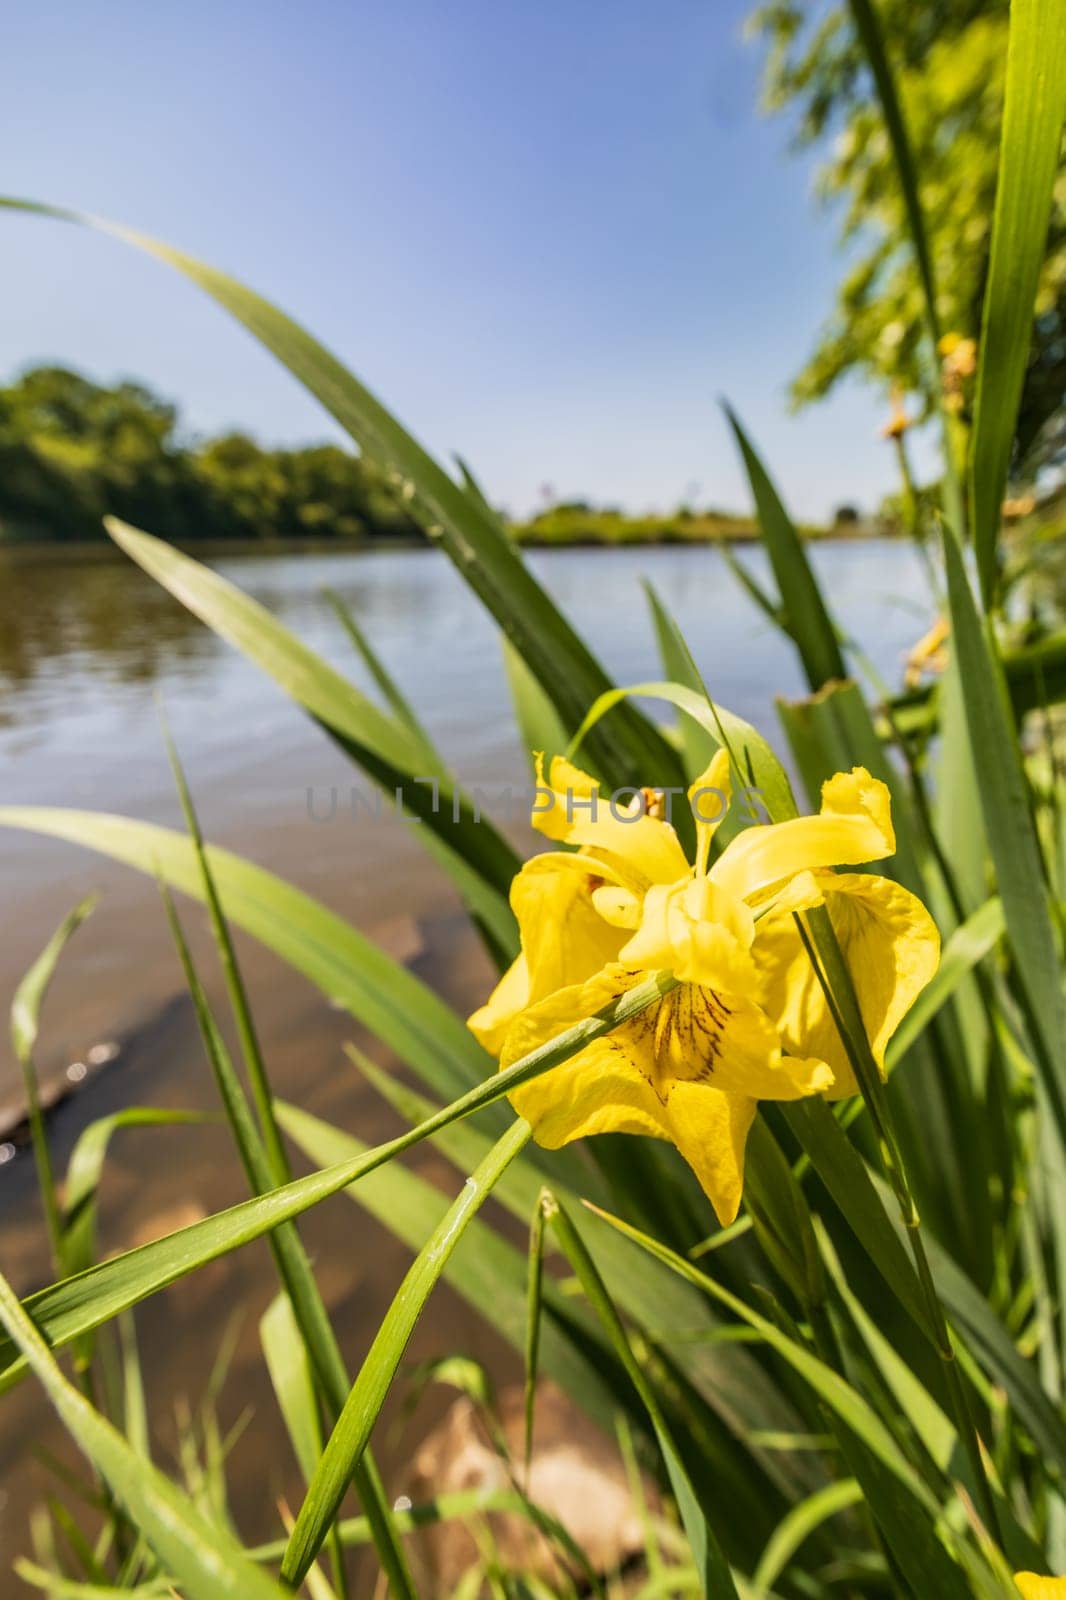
(749,1021)
(1034,1588)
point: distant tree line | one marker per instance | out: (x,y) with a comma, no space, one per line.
(72,451)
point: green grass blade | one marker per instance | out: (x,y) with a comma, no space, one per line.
(489,1272)
(134,1401)
(247,1033)
(903,1503)
(25,1024)
(345,1446)
(799,1523)
(29,996)
(1010,831)
(263,1170)
(534,1306)
(744,1398)
(715,1576)
(58,1588)
(696,743)
(85,1169)
(538,721)
(772,609)
(810,625)
(206,1560)
(628,749)
(991,1345)
(65,1310)
(390,690)
(292,1380)
(1028,169)
(868,28)
(464,1505)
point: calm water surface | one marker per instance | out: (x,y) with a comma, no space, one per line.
(85,646)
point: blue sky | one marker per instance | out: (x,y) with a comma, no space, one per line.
(549,234)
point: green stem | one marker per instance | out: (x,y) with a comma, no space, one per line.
(46,1180)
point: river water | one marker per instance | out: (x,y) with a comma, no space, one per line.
(86,646)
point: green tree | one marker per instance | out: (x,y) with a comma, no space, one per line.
(949,56)
(72,451)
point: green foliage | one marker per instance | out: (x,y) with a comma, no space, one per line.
(576,523)
(949,60)
(73,451)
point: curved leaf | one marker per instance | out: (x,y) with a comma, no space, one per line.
(346,1444)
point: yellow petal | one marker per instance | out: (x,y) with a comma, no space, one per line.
(1034,1588)
(620,907)
(689,1069)
(565,782)
(892,948)
(709,798)
(564,938)
(711,1129)
(596,1091)
(724,1041)
(490,1022)
(643,849)
(564,941)
(697,930)
(854,826)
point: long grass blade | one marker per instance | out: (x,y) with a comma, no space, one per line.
(809,623)
(292,1380)
(716,1579)
(349,1439)
(294,1268)
(348,968)
(489,1273)
(868,1445)
(390,690)
(798,1525)
(1011,834)
(85,1170)
(25,1024)
(744,1399)
(1028,169)
(868,27)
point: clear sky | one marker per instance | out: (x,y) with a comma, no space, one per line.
(548,233)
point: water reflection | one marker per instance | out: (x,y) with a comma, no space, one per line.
(57,614)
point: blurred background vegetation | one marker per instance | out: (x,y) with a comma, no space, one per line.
(949,58)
